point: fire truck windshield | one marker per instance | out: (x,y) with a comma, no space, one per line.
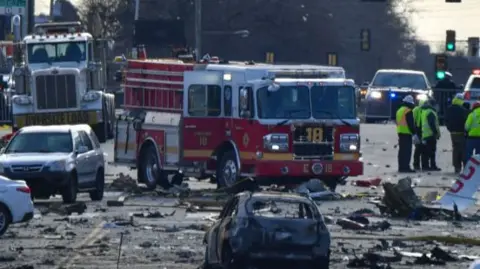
(56,52)
(333,102)
(288,102)
(399,80)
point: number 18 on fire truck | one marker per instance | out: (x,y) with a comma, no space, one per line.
(281,124)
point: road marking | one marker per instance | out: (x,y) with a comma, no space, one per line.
(97,233)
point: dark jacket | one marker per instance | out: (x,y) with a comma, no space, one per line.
(455,116)
(432,121)
(446,84)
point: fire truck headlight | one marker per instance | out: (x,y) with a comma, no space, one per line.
(21,100)
(422,97)
(375,95)
(276,142)
(349,142)
(91,96)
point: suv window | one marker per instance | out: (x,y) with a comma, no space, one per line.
(94,138)
(86,140)
(475,83)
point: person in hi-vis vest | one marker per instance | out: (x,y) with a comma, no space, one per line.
(417,154)
(472,128)
(405,130)
(430,135)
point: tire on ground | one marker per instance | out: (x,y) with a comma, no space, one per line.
(97,194)
(69,191)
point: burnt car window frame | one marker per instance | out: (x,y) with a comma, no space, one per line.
(226,208)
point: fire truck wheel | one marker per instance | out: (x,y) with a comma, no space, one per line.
(227,171)
(150,171)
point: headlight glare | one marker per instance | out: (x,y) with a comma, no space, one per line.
(91,96)
(376,95)
(57,166)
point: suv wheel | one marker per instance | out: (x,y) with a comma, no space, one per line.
(69,191)
(97,194)
(5,219)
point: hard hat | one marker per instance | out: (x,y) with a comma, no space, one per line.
(459,96)
(408,99)
(475,265)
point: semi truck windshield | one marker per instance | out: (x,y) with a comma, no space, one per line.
(56,52)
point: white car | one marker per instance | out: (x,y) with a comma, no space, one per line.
(15,203)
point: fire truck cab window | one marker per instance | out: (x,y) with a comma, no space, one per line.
(204,100)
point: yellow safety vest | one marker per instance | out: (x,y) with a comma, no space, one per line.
(426,130)
(402,125)
(472,125)
(417,115)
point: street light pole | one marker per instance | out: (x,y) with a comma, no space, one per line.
(198,29)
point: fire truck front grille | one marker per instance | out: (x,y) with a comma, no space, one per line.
(307,146)
(56,91)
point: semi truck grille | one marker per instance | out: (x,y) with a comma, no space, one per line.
(56,91)
(313,142)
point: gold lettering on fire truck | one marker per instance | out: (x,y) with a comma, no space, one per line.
(246,140)
(328,168)
(306,169)
(203,138)
(315,134)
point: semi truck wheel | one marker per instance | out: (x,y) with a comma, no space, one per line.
(227,170)
(101,129)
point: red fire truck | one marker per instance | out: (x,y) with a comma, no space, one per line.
(281,124)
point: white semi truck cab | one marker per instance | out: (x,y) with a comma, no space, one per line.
(59,79)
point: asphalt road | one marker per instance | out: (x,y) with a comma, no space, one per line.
(172,236)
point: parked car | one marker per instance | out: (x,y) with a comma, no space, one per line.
(265,226)
(15,203)
(57,159)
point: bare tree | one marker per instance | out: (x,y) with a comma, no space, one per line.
(105,18)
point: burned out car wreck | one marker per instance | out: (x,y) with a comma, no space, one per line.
(268,228)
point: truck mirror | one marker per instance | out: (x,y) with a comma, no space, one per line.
(118,76)
(245,103)
(244,99)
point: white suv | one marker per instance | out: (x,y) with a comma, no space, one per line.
(63,159)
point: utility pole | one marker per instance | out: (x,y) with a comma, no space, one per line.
(198,29)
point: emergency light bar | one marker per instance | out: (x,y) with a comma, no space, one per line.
(315,73)
(57,28)
(476,71)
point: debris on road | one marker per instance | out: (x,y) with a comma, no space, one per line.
(371,182)
(64,209)
(155,214)
(400,200)
(124,183)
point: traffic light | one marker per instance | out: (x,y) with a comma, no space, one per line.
(450,42)
(440,66)
(365,40)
